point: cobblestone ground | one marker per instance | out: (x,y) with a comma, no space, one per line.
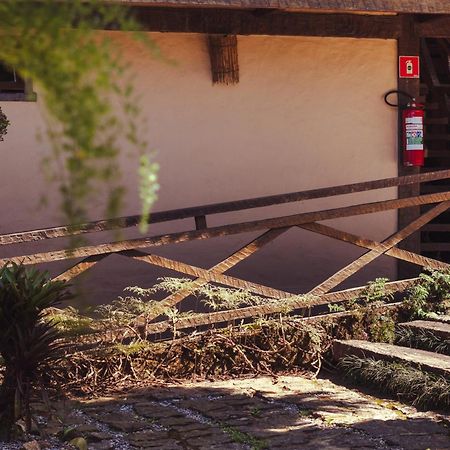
(290,413)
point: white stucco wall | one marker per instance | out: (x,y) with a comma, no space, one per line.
(307,113)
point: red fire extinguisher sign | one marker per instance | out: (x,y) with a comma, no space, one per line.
(409,67)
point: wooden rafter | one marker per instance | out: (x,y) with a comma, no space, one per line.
(80,267)
(280,23)
(285,23)
(338,6)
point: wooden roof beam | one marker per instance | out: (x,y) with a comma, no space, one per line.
(362,6)
(266,22)
(434,27)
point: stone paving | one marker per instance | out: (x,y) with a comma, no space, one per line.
(289,413)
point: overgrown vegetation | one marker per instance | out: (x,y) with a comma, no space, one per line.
(28,339)
(264,348)
(373,295)
(422,339)
(111,350)
(91,108)
(267,345)
(408,383)
(218,298)
(430,296)
(379,322)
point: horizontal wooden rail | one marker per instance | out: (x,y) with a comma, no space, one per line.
(271,308)
(235,228)
(218,208)
(100,338)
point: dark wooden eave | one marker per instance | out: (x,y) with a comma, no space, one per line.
(267,22)
(282,23)
(390,6)
(434,26)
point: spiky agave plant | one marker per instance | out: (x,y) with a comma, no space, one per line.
(27,338)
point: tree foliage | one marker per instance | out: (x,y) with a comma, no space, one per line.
(91,109)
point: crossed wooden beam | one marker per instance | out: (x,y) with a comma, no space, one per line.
(273,228)
(376,249)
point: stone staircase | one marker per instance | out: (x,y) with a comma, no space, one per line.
(440,328)
(426,360)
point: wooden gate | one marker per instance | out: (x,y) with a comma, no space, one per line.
(271,229)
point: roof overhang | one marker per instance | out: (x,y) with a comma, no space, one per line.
(362,6)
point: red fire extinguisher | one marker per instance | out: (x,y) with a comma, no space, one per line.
(412,120)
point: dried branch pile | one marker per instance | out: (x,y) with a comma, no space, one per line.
(263,347)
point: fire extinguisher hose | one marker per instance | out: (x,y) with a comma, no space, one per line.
(395,91)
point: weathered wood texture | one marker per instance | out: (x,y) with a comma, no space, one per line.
(207,276)
(280,23)
(223,54)
(434,27)
(225,230)
(199,212)
(440,329)
(284,23)
(381,248)
(403,255)
(215,274)
(408,44)
(277,300)
(405,6)
(80,267)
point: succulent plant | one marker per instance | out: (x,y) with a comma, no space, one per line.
(27,338)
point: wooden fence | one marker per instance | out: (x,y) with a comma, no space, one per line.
(272,228)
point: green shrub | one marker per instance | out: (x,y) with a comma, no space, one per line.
(431,294)
(27,338)
(408,383)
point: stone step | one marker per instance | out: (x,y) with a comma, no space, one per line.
(429,361)
(440,318)
(440,329)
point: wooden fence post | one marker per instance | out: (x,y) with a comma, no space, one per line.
(408,45)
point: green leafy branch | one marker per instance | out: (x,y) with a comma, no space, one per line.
(91,108)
